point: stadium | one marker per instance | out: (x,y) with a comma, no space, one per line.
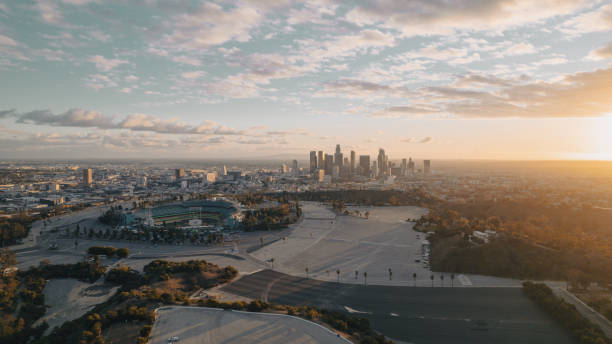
(209,212)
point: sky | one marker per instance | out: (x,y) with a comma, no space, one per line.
(260,79)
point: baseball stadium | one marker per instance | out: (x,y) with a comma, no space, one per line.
(210,212)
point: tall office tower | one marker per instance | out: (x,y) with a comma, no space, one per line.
(87,176)
(426,166)
(338,157)
(336,171)
(224,170)
(404,167)
(364,165)
(320,160)
(329,163)
(410,166)
(382,164)
(294,167)
(352,162)
(143,182)
(283,169)
(179,173)
(374,170)
(313,161)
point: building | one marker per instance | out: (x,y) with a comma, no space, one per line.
(210,177)
(179,173)
(320,160)
(142,182)
(329,163)
(404,167)
(283,169)
(313,161)
(382,164)
(426,166)
(87,176)
(335,171)
(364,165)
(224,171)
(294,167)
(53,187)
(319,175)
(235,175)
(352,162)
(396,171)
(410,166)
(338,159)
(216,212)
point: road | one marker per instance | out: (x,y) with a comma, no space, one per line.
(585,310)
(207,325)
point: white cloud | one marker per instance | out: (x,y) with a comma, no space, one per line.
(193,75)
(592,21)
(7,41)
(105,64)
(601,53)
(187,60)
(432,17)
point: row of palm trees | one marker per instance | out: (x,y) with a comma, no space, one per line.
(365,276)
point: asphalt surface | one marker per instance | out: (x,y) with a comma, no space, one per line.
(193,325)
(416,314)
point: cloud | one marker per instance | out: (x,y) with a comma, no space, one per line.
(70,118)
(427,139)
(211,25)
(353,88)
(600,53)
(597,20)
(7,41)
(137,122)
(193,75)
(49,12)
(105,64)
(439,17)
(187,60)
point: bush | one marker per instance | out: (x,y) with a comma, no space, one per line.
(123,253)
(99,250)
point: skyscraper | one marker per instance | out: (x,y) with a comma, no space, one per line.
(352,162)
(410,166)
(179,173)
(87,176)
(294,167)
(404,167)
(338,157)
(329,163)
(320,160)
(313,161)
(382,164)
(426,166)
(364,165)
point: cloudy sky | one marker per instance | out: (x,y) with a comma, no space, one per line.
(485,79)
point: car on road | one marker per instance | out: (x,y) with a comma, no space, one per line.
(54,246)
(173,339)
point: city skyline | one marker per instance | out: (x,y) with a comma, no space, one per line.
(152,79)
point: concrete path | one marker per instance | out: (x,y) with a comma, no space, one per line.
(585,310)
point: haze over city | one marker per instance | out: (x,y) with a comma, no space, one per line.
(268,79)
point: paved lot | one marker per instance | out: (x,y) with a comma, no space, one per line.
(416,314)
(325,242)
(205,325)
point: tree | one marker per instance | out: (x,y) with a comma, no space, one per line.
(442,280)
(7,259)
(356,274)
(338,273)
(365,278)
(307,269)
(414,276)
(123,252)
(390,274)
(452,279)
(432,279)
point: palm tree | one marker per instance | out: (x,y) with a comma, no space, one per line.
(356,274)
(452,279)
(272,261)
(307,269)
(338,273)
(365,278)
(432,279)
(442,280)
(390,274)
(414,278)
